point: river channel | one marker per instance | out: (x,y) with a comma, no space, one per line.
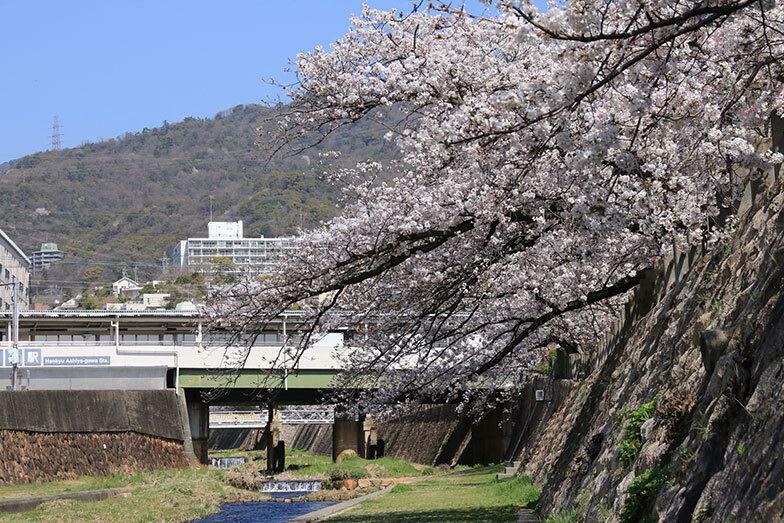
(265,511)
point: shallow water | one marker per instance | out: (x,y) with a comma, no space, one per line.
(265,511)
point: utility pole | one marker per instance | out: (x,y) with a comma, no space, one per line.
(211,197)
(15,329)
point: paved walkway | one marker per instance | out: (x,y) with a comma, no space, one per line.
(23,504)
(526,515)
(325,513)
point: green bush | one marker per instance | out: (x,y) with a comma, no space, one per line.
(339,474)
(519,490)
(632,437)
(640,494)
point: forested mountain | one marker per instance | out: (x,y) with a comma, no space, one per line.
(123,203)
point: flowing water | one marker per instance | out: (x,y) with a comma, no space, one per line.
(264,511)
(271,511)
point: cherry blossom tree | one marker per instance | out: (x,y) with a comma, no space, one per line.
(548,158)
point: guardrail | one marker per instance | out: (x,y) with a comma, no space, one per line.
(258,419)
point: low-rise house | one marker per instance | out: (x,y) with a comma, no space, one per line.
(155,301)
(126,287)
(124,306)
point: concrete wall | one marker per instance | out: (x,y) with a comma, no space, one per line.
(90,378)
(418,436)
(316,438)
(49,435)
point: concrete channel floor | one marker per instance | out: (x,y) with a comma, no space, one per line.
(29,503)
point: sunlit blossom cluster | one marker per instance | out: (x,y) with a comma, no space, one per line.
(547,159)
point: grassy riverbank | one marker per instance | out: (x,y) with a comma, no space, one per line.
(186,494)
(466,496)
(302,463)
(172,495)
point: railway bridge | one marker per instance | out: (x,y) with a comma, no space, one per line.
(132,350)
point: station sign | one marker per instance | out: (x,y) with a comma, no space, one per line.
(76,361)
(34,358)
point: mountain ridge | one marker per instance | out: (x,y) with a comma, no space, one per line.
(123,203)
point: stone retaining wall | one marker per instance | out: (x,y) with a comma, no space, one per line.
(55,435)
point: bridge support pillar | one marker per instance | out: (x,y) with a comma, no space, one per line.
(368,442)
(199,422)
(276,447)
(358,436)
(346,435)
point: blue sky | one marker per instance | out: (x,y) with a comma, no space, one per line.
(107,67)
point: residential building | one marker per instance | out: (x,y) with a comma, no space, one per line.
(226,249)
(124,306)
(155,300)
(126,287)
(14,264)
(48,255)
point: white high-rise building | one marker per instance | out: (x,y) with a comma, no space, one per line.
(226,249)
(13,264)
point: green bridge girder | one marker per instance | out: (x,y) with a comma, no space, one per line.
(256,379)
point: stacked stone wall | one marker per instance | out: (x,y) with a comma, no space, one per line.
(709,354)
(55,435)
(28,457)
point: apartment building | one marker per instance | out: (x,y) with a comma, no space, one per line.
(48,255)
(226,249)
(14,264)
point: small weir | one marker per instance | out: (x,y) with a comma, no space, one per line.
(227,462)
(291,486)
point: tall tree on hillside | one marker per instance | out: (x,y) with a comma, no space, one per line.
(547,159)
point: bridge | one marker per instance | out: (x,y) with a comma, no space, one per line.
(97,350)
(160,349)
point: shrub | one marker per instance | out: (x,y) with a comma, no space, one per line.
(640,494)
(339,474)
(520,491)
(632,437)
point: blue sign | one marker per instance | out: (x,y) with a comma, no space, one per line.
(11,357)
(32,357)
(76,361)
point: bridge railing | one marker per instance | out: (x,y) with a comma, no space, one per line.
(258,418)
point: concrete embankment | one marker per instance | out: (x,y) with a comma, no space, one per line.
(55,435)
